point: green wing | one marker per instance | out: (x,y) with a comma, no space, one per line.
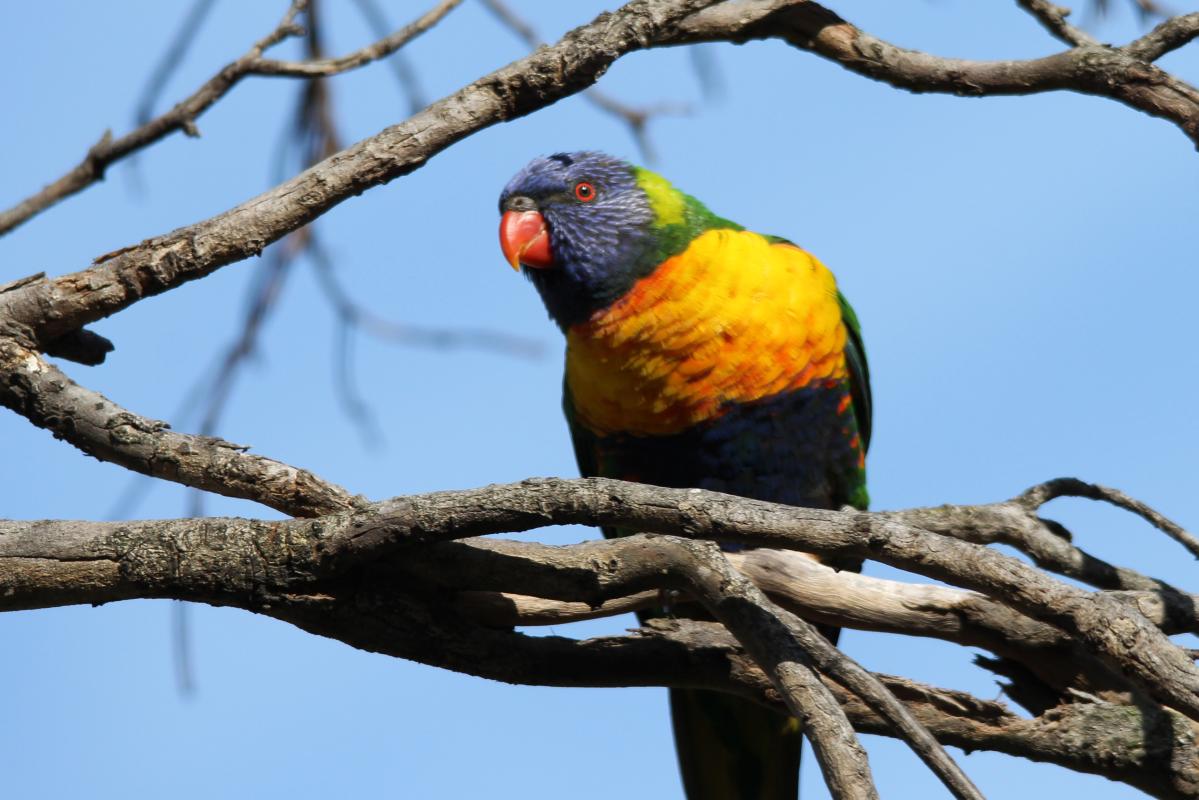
(859,370)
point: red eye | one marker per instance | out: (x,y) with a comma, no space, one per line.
(584,192)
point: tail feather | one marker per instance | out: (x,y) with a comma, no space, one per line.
(732,749)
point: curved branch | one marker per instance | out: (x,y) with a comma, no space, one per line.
(784,647)
(1041,494)
(1113,631)
(1053,19)
(327,67)
(1125,74)
(40,392)
(119,279)
(551,73)
(276,569)
(185,113)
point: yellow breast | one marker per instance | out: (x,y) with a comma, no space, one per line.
(732,319)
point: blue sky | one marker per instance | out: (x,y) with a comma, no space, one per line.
(1024,269)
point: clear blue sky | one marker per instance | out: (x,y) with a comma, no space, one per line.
(1024,269)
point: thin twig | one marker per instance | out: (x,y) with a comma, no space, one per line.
(439,338)
(183,116)
(636,117)
(1042,493)
(327,67)
(405,73)
(1053,18)
(171,59)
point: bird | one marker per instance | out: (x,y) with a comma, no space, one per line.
(699,354)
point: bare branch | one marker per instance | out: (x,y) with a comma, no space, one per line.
(1166,37)
(276,568)
(180,118)
(636,117)
(1041,494)
(1118,635)
(327,67)
(404,72)
(40,392)
(1117,73)
(783,644)
(1053,19)
(183,116)
(1015,523)
(171,58)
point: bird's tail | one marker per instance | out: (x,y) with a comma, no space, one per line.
(730,748)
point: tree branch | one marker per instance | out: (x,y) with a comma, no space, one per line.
(1053,19)
(123,277)
(327,67)
(1166,37)
(1117,634)
(1122,74)
(637,118)
(40,392)
(783,647)
(1041,494)
(156,265)
(282,569)
(184,115)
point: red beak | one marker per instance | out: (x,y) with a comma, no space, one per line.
(525,240)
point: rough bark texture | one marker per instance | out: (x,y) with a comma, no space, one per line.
(408,577)
(406,603)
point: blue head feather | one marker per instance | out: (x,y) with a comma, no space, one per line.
(602,247)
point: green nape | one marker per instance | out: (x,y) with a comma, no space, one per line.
(678,218)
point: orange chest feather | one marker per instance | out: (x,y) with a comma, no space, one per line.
(732,319)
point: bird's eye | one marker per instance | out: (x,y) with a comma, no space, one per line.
(584,192)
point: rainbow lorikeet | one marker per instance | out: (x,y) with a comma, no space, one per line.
(699,354)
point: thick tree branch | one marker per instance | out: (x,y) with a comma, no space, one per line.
(784,649)
(813,591)
(1120,636)
(280,569)
(53,308)
(1123,74)
(784,640)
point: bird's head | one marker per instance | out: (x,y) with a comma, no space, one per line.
(586,226)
